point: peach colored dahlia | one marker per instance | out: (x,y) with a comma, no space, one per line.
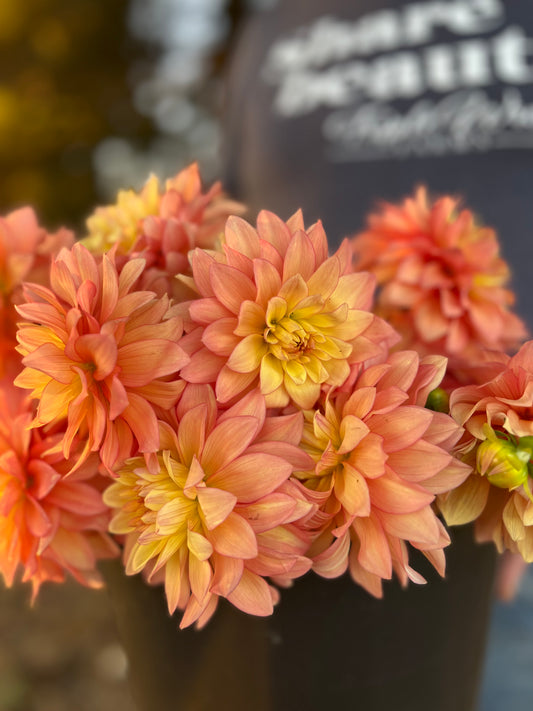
(25,253)
(165,222)
(214,519)
(443,283)
(275,312)
(380,459)
(49,525)
(100,354)
(498,418)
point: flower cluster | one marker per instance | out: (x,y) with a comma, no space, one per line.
(498,442)
(443,282)
(222,402)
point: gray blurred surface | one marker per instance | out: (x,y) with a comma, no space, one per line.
(508,682)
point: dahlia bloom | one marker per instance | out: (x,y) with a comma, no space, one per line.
(49,525)
(215,518)
(443,281)
(25,252)
(100,355)
(276,313)
(163,226)
(380,458)
(498,419)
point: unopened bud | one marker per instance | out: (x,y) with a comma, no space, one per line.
(504,460)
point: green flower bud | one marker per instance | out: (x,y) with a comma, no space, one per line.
(438,400)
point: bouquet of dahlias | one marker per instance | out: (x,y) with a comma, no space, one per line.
(223,406)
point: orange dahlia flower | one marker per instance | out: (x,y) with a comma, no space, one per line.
(163,226)
(214,519)
(498,418)
(443,283)
(25,252)
(49,526)
(277,313)
(100,355)
(380,459)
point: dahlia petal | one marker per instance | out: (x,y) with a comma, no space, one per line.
(465,503)
(449,478)
(271,374)
(50,360)
(99,350)
(352,431)
(176,584)
(351,490)
(234,538)
(54,401)
(297,458)
(304,395)
(219,337)
(208,310)
(77,497)
(370,582)
(229,384)
(140,363)
(252,595)
(270,511)
(401,428)
(325,279)
(36,519)
(247,356)
(299,257)
(227,573)
(420,461)
(118,398)
(226,443)
(251,319)
(251,476)
(142,421)
(419,527)
(231,287)
(429,321)
(109,288)
(170,517)
(273,230)
(293,291)
(216,505)
(191,433)
(45,477)
(286,428)
(204,367)
(394,496)
(129,274)
(374,554)
(200,575)
(268,282)
(333,562)
(242,237)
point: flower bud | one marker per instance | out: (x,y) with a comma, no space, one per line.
(503,460)
(438,400)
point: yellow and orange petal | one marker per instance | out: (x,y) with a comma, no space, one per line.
(214,519)
(444,285)
(498,419)
(277,313)
(100,354)
(49,526)
(380,459)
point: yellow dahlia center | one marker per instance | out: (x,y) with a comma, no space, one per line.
(288,338)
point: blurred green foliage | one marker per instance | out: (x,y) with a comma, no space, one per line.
(65,67)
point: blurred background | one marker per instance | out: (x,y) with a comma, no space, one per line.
(95,95)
